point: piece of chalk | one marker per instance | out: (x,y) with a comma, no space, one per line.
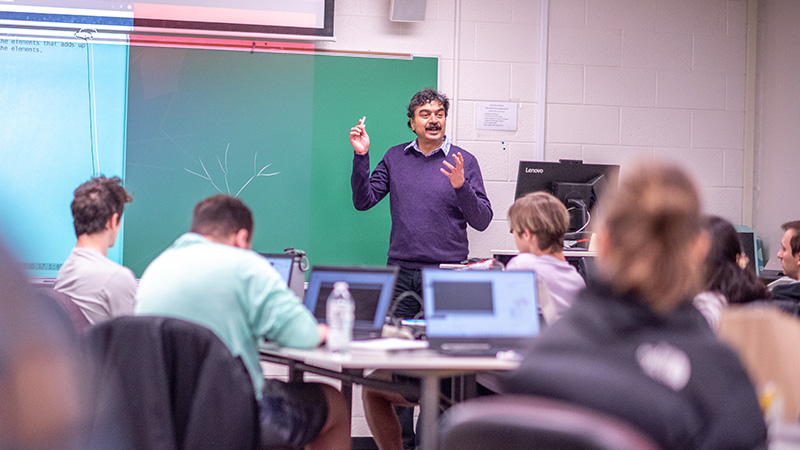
(363,120)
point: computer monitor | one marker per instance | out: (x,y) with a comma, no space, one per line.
(576,184)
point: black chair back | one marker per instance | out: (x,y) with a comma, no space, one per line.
(173,383)
(516,422)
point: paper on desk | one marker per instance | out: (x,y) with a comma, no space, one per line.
(388,345)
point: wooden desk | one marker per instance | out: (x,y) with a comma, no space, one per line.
(427,365)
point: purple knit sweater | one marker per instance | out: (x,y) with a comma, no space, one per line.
(429,217)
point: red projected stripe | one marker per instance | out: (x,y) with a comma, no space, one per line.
(224,15)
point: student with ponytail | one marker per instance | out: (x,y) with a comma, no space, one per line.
(632,345)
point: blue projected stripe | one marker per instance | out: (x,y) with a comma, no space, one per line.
(67,18)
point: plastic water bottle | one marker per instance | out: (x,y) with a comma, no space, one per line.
(339,312)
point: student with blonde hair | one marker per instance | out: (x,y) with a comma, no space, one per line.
(539,222)
(632,345)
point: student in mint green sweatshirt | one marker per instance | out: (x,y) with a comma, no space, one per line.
(210,276)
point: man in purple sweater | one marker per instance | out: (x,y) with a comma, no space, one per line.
(435,188)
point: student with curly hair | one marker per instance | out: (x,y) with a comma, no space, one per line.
(100,287)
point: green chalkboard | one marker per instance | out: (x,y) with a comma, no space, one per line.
(270,127)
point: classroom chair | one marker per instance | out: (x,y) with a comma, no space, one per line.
(161,383)
(765,338)
(79,322)
(519,422)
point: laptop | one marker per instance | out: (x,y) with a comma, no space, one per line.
(371,289)
(287,266)
(479,312)
(282,262)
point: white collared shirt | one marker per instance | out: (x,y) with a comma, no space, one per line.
(445,147)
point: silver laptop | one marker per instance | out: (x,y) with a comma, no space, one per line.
(479,312)
(282,262)
(287,265)
(371,289)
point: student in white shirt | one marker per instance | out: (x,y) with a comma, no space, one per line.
(539,222)
(100,287)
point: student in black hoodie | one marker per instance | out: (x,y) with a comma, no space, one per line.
(633,346)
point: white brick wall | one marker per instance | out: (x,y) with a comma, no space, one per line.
(691,90)
(717,129)
(584,46)
(660,127)
(622,14)
(582,124)
(620,86)
(777,116)
(674,50)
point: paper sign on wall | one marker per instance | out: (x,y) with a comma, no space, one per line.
(495,116)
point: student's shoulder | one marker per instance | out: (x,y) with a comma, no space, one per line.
(789,291)
(524,261)
(124,278)
(247,260)
(123,272)
(87,259)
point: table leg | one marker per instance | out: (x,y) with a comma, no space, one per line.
(295,374)
(347,388)
(429,411)
(469,387)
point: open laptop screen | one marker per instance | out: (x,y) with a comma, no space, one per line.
(371,289)
(282,262)
(479,303)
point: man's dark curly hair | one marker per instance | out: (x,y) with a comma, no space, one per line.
(95,201)
(425,96)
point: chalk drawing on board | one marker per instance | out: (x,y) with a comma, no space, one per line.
(225,172)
